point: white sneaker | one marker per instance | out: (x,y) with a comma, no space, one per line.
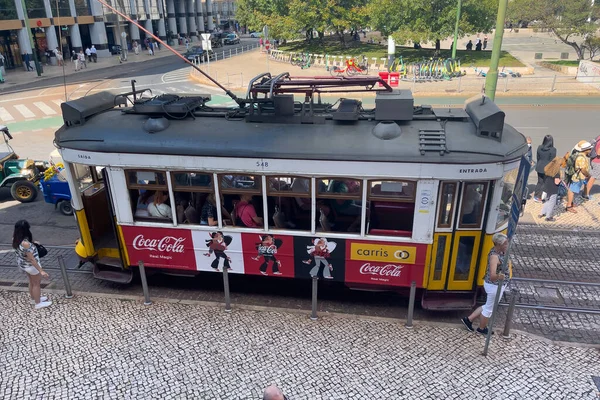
(43,304)
(42,298)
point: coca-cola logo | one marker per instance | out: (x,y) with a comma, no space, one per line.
(390,270)
(269,250)
(168,243)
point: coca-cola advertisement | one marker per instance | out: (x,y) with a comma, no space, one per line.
(268,254)
(388,264)
(160,247)
(321,257)
(215,250)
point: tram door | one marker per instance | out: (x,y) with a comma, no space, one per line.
(458,233)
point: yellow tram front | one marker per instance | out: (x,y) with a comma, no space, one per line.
(375,200)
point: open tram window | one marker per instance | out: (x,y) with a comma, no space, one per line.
(86,175)
(446,204)
(508,187)
(391,208)
(339,204)
(289,202)
(194,197)
(149,196)
(473,201)
(243,196)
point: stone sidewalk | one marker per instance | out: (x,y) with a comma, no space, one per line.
(97,347)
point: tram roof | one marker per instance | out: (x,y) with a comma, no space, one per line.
(113,131)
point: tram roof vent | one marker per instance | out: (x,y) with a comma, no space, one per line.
(396,105)
(75,112)
(487,117)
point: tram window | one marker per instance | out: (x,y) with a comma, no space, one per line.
(508,186)
(195,201)
(466,247)
(339,204)
(289,202)
(238,183)
(446,204)
(149,196)
(146,179)
(391,208)
(339,188)
(439,257)
(473,201)
(192,181)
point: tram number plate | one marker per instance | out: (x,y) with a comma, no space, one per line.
(262,164)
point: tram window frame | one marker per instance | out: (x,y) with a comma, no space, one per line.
(338,196)
(288,193)
(257,190)
(192,217)
(484,196)
(192,188)
(392,199)
(294,214)
(509,178)
(145,186)
(92,172)
(452,210)
(407,199)
(148,186)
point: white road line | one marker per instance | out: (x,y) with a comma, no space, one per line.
(58,102)
(25,112)
(531,127)
(5,115)
(44,108)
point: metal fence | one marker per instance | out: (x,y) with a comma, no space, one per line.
(227,79)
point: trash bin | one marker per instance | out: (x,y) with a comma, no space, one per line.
(394,78)
(384,76)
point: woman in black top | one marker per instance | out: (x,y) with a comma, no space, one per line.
(551,184)
(546,152)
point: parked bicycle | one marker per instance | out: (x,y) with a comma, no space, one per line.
(303,60)
(351,68)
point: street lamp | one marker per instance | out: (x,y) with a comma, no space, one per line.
(458,11)
(491,79)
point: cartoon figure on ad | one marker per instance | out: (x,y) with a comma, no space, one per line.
(217,244)
(267,249)
(320,252)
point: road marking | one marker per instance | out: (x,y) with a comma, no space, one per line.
(58,102)
(5,115)
(25,112)
(45,109)
(531,127)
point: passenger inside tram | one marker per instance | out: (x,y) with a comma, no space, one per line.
(471,204)
(145,197)
(160,207)
(245,213)
(208,215)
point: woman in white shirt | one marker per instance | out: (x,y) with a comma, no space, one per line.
(159,208)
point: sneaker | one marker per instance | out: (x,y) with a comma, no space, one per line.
(42,298)
(43,304)
(541,215)
(468,324)
(551,219)
(277,273)
(262,272)
(483,331)
(537,199)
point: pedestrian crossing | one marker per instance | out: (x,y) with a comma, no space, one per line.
(178,75)
(32,110)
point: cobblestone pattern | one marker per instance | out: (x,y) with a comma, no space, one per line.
(105,348)
(7,257)
(586,218)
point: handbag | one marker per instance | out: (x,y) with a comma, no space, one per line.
(42,251)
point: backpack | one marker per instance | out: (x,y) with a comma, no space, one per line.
(570,159)
(595,148)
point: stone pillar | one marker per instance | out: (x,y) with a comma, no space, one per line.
(51,39)
(23,37)
(98,30)
(209,13)
(171,18)
(191,13)
(182,19)
(162,31)
(199,16)
(134,31)
(74,32)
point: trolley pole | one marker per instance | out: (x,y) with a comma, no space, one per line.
(147,300)
(411,305)
(509,315)
(455,42)
(226,289)
(315,281)
(491,79)
(492,318)
(63,270)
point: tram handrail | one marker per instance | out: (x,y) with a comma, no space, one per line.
(556,282)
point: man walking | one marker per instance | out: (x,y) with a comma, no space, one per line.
(94,53)
(27,60)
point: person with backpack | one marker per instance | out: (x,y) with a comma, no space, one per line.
(546,152)
(552,182)
(577,173)
(595,160)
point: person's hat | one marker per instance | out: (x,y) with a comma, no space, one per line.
(583,145)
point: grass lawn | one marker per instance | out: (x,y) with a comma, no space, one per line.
(409,54)
(566,63)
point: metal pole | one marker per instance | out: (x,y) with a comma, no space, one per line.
(223,54)
(506,84)
(411,305)
(147,301)
(63,270)
(226,289)
(492,318)
(455,43)
(315,281)
(36,62)
(414,89)
(491,79)
(459,82)
(553,83)
(509,314)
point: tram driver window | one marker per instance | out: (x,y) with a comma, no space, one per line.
(242,197)
(149,196)
(391,208)
(473,200)
(339,205)
(289,202)
(508,186)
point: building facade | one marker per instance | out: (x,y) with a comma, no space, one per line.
(72,25)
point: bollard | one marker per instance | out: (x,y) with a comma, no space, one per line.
(492,318)
(553,83)
(411,305)
(63,270)
(414,89)
(509,314)
(226,289)
(223,57)
(236,51)
(315,281)
(229,53)
(147,301)
(459,82)
(506,84)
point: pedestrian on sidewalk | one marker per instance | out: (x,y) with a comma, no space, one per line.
(496,270)
(470,45)
(552,182)
(595,160)
(580,179)
(81,59)
(2,71)
(75,59)
(88,54)
(28,261)
(485,40)
(59,57)
(27,60)
(187,44)
(478,45)
(136,48)
(150,48)
(546,152)
(94,53)
(272,392)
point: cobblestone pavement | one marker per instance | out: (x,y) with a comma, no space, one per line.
(93,347)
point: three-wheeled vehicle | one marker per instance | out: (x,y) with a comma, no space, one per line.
(55,186)
(18,174)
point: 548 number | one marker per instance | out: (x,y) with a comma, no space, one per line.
(263,164)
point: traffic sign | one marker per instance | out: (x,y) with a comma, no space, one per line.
(265,32)
(205,36)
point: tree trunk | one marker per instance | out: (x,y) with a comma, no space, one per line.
(578,49)
(341,36)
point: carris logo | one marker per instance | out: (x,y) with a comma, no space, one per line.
(168,243)
(383,270)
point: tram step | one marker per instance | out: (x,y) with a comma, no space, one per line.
(441,301)
(110,269)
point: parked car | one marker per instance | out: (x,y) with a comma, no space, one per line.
(194,53)
(232,38)
(255,34)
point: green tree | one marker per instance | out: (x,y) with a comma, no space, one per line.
(571,21)
(430,20)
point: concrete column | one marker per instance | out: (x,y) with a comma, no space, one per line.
(182,19)
(23,36)
(199,17)
(209,14)
(191,13)
(51,39)
(74,32)
(98,30)
(162,31)
(134,31)
(171,18)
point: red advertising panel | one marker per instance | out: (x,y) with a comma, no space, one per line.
(160,247)
(268,254)
(388,264)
